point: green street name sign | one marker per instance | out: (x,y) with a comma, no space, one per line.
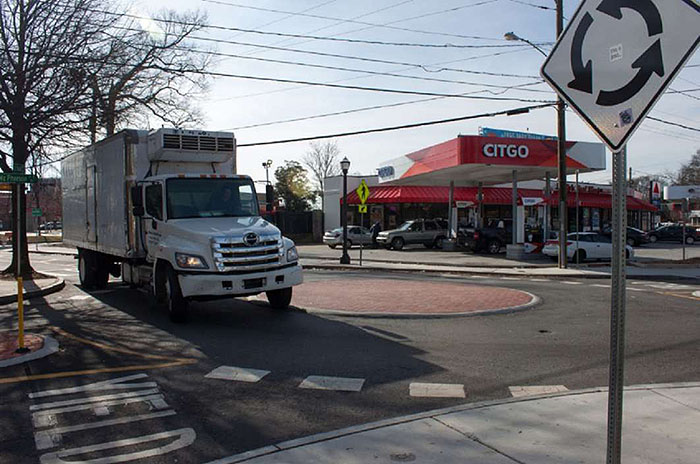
(36,212)
(16,178)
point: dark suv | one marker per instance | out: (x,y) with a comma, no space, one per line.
(429,232)
(492,238)
(673,233)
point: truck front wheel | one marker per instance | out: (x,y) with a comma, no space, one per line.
(280,299)
(177,304)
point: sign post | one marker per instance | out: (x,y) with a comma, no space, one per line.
(19,178)
(363,195)
(611,65)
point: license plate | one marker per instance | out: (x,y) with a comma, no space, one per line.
(253,283)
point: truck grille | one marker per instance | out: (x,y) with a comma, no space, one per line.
(233,254)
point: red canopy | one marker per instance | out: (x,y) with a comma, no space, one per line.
(492,196)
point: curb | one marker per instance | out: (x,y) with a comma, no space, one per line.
(56,286)
(457,271)
(61,253)
(545,263)
(326,436)
(50,347)
(534,301)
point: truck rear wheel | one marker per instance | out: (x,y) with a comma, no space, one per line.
(86,269)
(176,303)
(280,299)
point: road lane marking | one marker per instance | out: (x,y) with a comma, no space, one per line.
(102,408)
(540,280)
(238,374)
(111,384)
(80,297)
(51,438)
(569,282)
(320,382)
(530,390)
(600,285)
(436,390)
(185,438)
(92,399)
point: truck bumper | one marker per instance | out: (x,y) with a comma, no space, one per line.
(221,285)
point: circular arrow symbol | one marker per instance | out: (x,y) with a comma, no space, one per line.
(649,63)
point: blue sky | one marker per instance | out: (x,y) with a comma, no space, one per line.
(232,103)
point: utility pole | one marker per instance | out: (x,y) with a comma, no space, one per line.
(561,155)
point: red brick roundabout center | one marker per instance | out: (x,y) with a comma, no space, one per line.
(393,297)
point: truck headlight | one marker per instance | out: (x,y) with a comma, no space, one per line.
(190,261)
(292,254)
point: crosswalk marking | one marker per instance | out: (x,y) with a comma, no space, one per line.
(238,374)
(530,390)
(319,382)
(436,390)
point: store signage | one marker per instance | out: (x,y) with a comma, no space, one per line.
(386,171)
(489,132)
(532,201)
(464,204)
(502,150)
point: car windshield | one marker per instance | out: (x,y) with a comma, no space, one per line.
(405,225)
(206,197)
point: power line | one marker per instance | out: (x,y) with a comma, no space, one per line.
(344,112)
(363,71)
(683,126)
(510,112)
(329,18)
(533,5)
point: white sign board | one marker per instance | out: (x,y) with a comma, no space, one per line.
(616,58)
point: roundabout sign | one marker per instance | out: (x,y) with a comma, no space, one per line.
(617,57)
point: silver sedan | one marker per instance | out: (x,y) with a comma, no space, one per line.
(356,235)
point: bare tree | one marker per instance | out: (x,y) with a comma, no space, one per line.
(43,90)
(322,159)
(150,70)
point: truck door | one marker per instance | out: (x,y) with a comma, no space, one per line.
(91,204)
(152,220)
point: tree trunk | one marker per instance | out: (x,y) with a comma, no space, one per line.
(23,254)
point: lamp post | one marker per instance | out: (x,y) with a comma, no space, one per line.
(345,166)
(561,143)
(267,165)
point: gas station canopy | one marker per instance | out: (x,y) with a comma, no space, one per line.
(469,160)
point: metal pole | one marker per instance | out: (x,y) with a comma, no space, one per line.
(480,200)
(561,155)
(547,195)
(450,218)
(362,224)
(20,287)
(578,257)
(617,313)
(345,259)
(515,207)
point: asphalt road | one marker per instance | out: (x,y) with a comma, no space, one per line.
(119,333)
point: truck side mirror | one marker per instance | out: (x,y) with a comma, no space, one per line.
(137,196)
(269,196)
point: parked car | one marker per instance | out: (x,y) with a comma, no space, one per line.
(590,245)
(429,232)
(635,237)
(674,233)
(356,235)
(492,238)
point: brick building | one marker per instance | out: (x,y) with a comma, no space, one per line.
(45,195)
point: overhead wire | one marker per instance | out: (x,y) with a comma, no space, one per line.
(509,112)
(271,10)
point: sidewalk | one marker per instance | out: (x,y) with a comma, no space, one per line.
(438,262)
(32,288)
(661,424)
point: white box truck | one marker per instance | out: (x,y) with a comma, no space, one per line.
(165,209)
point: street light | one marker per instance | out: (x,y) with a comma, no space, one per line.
(345,166)
(267,165)
(561,144)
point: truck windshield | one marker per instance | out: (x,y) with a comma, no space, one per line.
(206,197)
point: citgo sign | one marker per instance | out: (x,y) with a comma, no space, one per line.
(502,150)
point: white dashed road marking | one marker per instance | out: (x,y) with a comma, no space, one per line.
(319,382)
(238,374)
(536,390)
(436,390)
(569,282)
(80,297)
(539,280)
(600,285)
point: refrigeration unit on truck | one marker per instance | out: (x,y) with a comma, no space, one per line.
(165,209)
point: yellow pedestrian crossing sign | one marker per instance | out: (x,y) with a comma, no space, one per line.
(362,209)
(363,192)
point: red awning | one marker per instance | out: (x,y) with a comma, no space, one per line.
(492,196)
